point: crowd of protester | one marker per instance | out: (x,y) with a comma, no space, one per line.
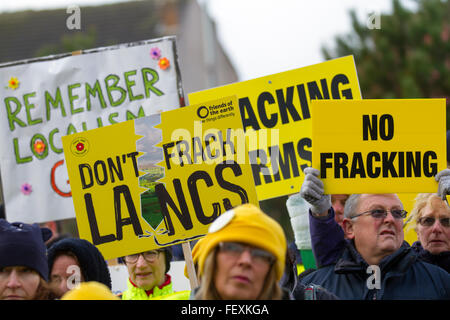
(357,241)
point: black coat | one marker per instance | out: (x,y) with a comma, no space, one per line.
(441,259)
(402,276)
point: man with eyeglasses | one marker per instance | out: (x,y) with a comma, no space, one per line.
(374,262)
(148,278)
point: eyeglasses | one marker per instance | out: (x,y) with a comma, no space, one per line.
(381,213)
(429,221)
(149,256)
(235,250)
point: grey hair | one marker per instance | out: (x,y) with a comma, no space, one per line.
(351,204)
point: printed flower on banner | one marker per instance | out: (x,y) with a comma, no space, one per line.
(13,83)
(164,63)
(26,189)
(155,53)
(39,146)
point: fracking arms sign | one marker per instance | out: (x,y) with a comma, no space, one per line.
(276,118)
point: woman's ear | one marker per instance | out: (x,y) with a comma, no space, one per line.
(347,225)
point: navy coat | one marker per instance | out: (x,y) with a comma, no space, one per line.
(402,276)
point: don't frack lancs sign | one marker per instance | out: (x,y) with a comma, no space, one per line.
(43,99)
(379,146)
(276,118)
(159,180)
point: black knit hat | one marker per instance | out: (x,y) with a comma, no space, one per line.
(23,244)
(92,264)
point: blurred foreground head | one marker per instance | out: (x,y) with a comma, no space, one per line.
(242,256)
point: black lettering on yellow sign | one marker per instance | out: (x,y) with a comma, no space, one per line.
(103,172)
(133,219)
(198,150)
(399,164)
(282,159)
(292,102)
(181,211)
(386,164)
(99,173)
(371,125)
(100,170)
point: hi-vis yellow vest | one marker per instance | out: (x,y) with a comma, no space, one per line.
(165,293)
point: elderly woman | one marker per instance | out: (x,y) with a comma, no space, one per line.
(431,215)
(242,257)
(23,261)
(149,278)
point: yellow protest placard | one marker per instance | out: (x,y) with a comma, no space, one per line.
(277,121)
(158,180)
(379,146)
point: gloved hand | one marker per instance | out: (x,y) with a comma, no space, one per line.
(312,192)
(298,208)
(443,178)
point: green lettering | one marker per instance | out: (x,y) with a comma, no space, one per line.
(54,102)
(114,87)
(129,83)
(50,139)
(20,160)
(12,114)
(111,116)
(29,106)
(93,92)
(71,129)
(99,122)
(148,83)
(73,97)
(141,114)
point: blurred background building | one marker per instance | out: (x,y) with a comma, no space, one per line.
(202,60)
(203,63)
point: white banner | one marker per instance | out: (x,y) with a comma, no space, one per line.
(43,99)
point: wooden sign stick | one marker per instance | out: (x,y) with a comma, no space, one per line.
(190,265)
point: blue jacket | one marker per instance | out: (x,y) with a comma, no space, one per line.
(327,238)
(402,276)
(327,242)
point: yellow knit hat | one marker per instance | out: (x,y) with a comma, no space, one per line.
(247,224)
(91,290)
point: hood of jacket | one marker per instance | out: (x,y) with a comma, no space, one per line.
(441,259)
(92,264)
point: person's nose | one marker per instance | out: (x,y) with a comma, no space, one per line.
(389,217)
(13,280)
(63,286)
(141,262)
(437,226)
(245,257)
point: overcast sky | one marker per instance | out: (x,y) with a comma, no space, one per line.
(263,37)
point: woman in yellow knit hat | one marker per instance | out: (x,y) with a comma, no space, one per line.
(241,257)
